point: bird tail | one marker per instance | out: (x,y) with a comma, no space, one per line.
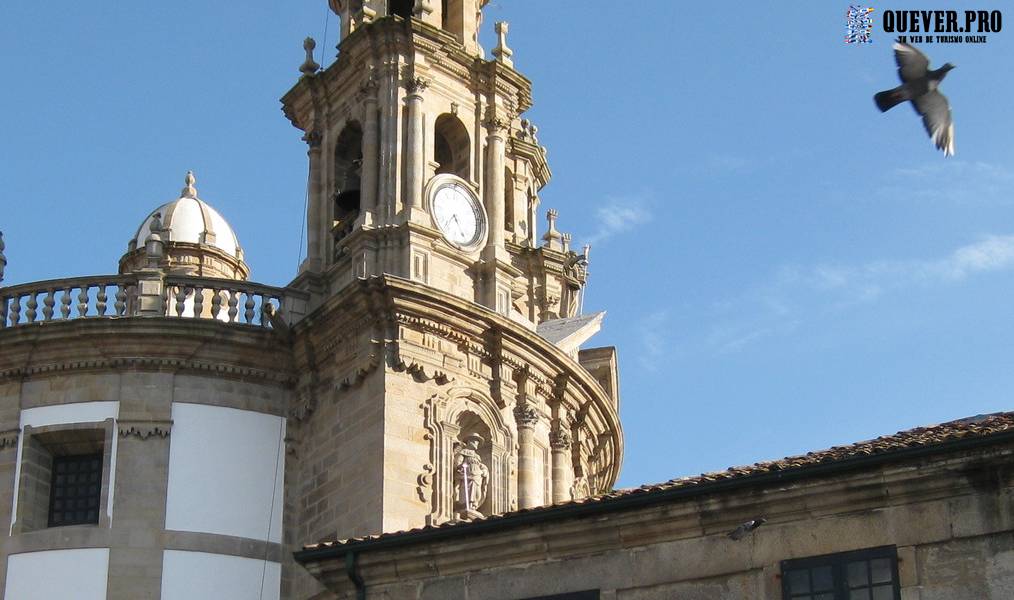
(888,99)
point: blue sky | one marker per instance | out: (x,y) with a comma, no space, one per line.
(784,267)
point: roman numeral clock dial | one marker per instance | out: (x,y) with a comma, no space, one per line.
(457,213)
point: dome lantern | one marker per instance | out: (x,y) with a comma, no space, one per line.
(197,240)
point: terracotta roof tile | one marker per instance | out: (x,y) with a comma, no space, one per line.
(978,427)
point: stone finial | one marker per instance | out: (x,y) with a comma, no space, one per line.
(502,52)
(153,245)
(552,237)
(587,251)
(3,259)
(189,191)
(566,242)
(309,66)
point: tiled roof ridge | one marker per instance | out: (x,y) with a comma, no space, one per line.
(979,426)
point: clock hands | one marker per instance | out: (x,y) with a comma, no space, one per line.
(461,232)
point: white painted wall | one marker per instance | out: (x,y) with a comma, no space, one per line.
(204,576)
(66,414)
(225,472)
(78,574)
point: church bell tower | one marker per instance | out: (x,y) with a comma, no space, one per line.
(444,338)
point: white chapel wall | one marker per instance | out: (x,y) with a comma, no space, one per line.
(226,470)
(79,574)
(206,576)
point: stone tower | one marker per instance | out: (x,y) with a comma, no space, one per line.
(440,320)
(424,366)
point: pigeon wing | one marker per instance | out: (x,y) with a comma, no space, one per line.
(936,117)
(912,63)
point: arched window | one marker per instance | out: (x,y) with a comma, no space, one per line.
(451,146)
(402,8)
(348,161)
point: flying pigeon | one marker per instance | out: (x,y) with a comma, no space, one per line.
(741,531)
(919,84)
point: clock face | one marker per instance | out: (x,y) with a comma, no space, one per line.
(458,214)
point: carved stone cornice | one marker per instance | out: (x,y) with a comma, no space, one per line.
(177,364)
(143,429)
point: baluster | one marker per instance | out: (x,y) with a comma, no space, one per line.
(32,305)
(216,302)
(181,298)
(15,310)
(198,302)
(132,299)
(82,301)
(3,311)
(120,305)
(100,301)
(65,303)
(233,303)
(266,309)
(48,304)
(248,314)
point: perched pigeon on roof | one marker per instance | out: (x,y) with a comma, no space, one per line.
(919,84)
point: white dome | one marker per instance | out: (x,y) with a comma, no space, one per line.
(190,219)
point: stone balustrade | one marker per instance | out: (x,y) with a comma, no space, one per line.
(117,296)
(232,301)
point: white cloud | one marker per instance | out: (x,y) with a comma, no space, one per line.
(868,281)
(956,181)
(618,216)
(654,333)
(799,294)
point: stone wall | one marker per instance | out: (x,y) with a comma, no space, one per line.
(950,518)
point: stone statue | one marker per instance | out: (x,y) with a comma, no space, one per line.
(471,477)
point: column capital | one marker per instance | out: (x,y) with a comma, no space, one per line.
(526,416)
(559,439)
(416,85)
(496,125)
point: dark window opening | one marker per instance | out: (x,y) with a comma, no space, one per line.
(860,575)
(75,490)
(402,8)
(348,162)
(451,146)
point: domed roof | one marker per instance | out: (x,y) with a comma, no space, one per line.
(190,219)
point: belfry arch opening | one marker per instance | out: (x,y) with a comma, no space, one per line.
(402,8)
(451,146)
(348,161)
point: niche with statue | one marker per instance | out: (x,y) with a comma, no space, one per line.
(468,476)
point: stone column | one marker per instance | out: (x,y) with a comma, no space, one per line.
(559,442)
(526,418)
(415,157)
(496,144)
(315,206)
(371,151)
